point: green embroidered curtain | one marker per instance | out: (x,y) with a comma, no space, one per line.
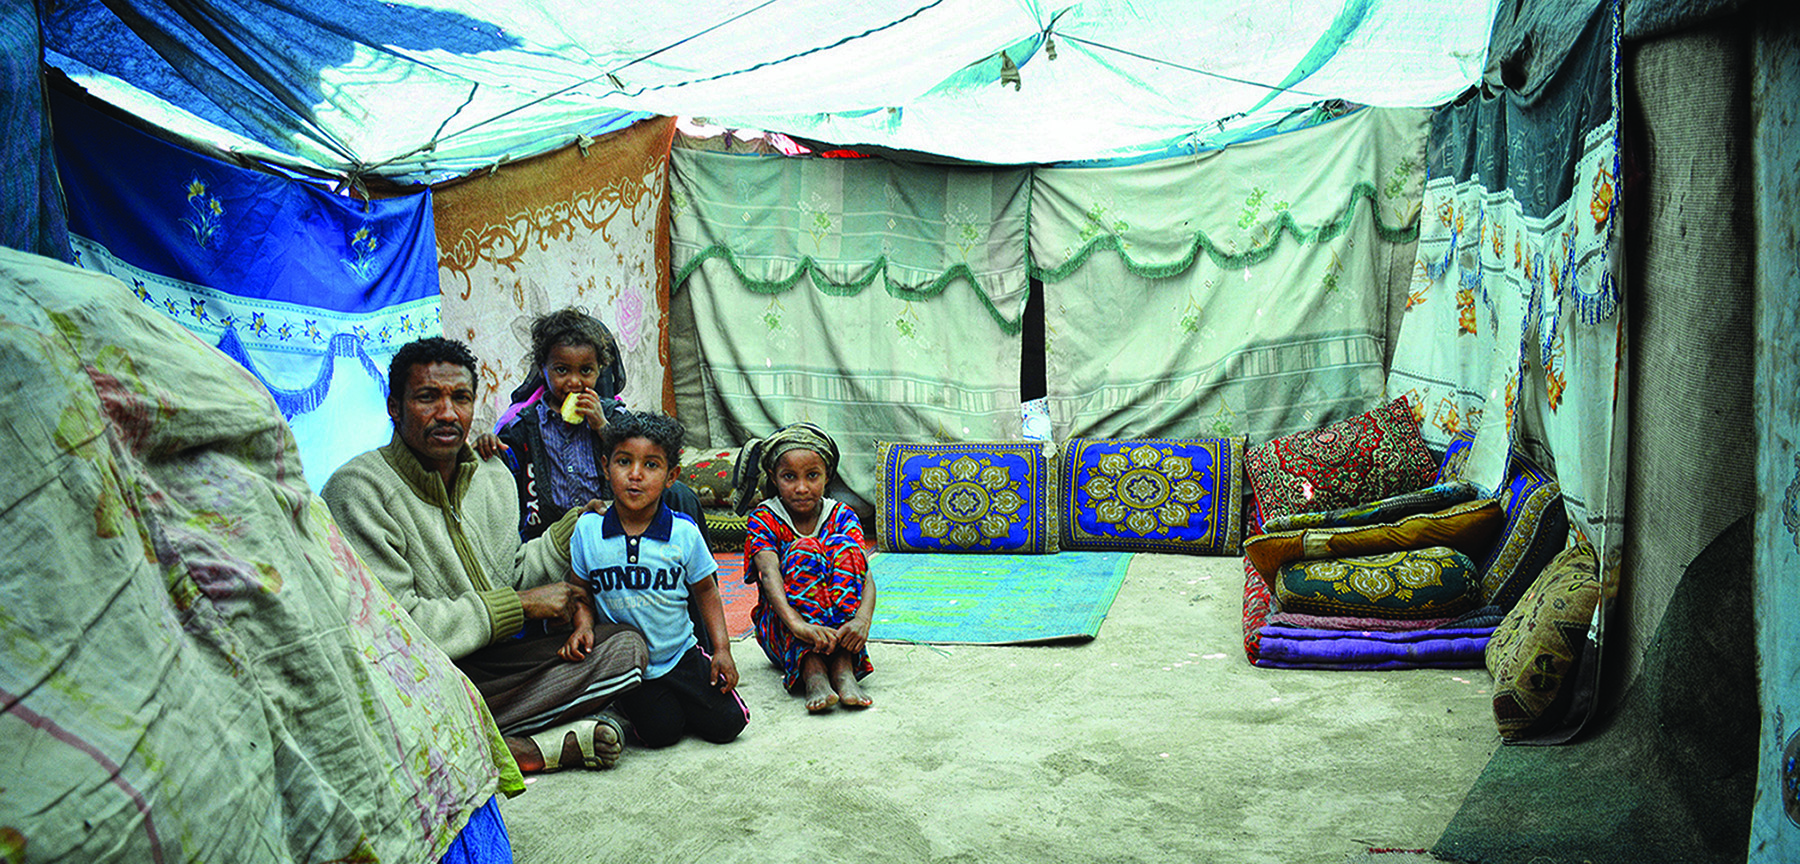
(1241,292)
(879,300)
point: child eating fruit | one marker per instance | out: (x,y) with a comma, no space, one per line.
(551,434)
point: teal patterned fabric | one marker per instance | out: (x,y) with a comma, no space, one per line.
(1298,233)
(1153,495)
(1436,582)
(876,299)
(966,497)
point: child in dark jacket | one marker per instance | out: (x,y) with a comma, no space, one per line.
(551,433)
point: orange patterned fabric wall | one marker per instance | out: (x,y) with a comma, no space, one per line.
(585,226)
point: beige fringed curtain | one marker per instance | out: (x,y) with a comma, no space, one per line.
(881,301)
(1516,326)
(1241,292)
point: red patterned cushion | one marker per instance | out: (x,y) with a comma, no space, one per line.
(709,476)
(1374,455)
(1258,603)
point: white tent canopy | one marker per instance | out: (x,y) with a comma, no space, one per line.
(438,88)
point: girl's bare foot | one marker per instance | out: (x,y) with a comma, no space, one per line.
(819,694)
(851,695)
(843,680)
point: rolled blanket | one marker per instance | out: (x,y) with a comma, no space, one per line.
(1446,648)
(1259,602)
(1303,621)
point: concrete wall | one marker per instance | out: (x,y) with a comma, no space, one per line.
(1688,227)
(1775,113)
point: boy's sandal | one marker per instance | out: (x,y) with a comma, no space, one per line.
(599,739)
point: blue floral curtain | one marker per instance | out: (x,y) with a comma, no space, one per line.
(310,291)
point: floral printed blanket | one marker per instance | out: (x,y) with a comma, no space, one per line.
(193,665)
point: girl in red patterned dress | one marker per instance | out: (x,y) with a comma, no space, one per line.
(806,552)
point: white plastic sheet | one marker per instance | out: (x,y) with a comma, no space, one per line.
(441,87)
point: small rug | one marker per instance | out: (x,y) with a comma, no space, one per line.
(737,597)
(993,599)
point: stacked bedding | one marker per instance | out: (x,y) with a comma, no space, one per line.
(1418,576)
(1279,640)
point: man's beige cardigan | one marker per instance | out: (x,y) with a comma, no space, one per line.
(452,559)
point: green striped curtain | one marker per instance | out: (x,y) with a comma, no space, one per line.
(1246,291)
(879,300)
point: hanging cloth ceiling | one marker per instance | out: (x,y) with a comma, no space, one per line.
(424,91)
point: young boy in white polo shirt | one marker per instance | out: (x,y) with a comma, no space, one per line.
(641,562)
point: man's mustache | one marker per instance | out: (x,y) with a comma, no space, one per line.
(436,426)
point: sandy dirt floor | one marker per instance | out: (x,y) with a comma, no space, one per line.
(1156,741)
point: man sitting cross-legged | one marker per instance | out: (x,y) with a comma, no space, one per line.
(440,527)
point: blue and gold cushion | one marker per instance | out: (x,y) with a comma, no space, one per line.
(1537,528)
(1435,582)
(1153,495)
(1456,456)
(966,497)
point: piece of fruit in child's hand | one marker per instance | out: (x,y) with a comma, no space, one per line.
(571,413)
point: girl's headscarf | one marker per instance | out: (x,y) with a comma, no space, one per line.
(753,477)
